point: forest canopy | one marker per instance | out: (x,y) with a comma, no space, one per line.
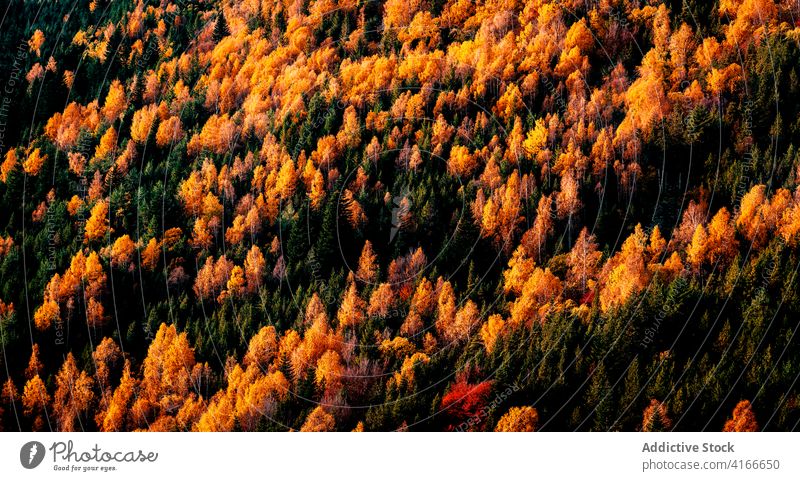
(318,215)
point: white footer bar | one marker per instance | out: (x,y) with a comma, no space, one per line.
(399,456)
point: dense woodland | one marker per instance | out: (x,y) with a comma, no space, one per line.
(422,215)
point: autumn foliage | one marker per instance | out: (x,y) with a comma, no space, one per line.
(338,215)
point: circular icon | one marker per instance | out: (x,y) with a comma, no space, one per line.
(31,454)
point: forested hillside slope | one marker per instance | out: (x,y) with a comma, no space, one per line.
(399,215)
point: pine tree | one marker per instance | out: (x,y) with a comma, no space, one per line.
(221,29)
